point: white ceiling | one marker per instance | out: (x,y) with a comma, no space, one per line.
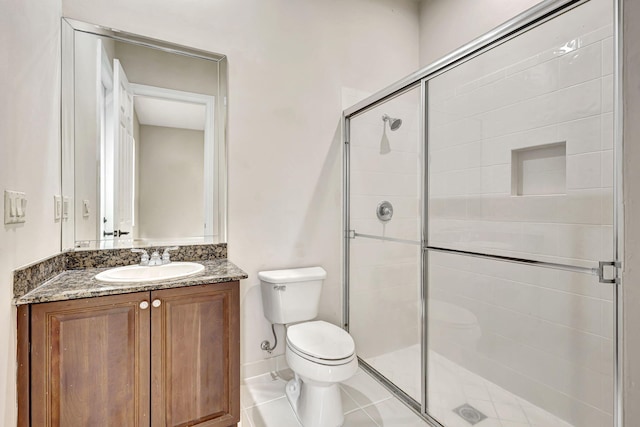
(169,113)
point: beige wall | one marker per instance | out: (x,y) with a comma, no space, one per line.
(29,157)
(171,182)
(154,67)
(142,65)
(284,146)
(288,64)
(446,25)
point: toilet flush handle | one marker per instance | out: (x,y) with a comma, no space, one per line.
(279,287)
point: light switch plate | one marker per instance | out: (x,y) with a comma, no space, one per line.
(20,200)
(15,207)
(57,207)
(65,207)
(8,218)
(85,209)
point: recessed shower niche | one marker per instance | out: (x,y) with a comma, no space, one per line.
(539,170)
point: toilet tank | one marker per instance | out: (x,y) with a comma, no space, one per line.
(293,295)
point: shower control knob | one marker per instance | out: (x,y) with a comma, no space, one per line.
(384,210)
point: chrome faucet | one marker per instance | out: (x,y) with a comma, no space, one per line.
(155,259)
(145,256)
(166,257)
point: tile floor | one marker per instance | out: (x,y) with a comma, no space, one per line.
(364,401)
(367,403)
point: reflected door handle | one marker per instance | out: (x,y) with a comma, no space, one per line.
(104,233)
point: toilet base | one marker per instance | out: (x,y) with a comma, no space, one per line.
(315,404)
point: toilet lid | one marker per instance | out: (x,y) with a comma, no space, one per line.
(321,340)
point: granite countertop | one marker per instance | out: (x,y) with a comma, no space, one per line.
(74,284)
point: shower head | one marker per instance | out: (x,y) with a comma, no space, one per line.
(394,124)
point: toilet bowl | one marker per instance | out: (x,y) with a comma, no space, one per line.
(320,354)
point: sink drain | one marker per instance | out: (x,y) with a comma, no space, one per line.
(469,414)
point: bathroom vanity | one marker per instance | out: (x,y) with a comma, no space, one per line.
(134,354)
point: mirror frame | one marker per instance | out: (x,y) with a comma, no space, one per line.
(69,28)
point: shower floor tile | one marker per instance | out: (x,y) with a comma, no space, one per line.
(460,386)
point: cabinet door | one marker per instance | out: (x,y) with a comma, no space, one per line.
(195,345)
(90,362)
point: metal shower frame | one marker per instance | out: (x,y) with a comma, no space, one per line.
(531,18)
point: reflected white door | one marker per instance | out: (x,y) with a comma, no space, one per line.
(123,152)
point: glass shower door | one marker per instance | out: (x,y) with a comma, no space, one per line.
(385,250)
(520,213)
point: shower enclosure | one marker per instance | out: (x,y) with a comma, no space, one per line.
(481,226)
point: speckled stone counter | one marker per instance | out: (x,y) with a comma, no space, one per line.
(71,275)
(74,284)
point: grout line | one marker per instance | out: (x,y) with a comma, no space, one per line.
(264,403)
(370,417)
(543,320)
(479,115)
(368,405)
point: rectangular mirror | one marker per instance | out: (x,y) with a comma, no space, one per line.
(143,141)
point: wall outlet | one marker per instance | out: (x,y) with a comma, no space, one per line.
(57,208)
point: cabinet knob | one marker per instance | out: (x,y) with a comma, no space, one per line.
(144,305)
(156,303)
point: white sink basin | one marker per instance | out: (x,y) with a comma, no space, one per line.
(139,273)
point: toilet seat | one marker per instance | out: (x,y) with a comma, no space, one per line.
(321,342)
(318,361)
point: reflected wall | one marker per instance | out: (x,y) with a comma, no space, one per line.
(145,189)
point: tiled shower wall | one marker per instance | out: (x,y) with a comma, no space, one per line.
(384,285)
(551,85)
(545,335)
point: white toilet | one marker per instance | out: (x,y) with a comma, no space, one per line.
(320,354)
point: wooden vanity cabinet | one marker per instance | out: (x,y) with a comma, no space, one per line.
(161,358)
(90,362)
(195,356)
